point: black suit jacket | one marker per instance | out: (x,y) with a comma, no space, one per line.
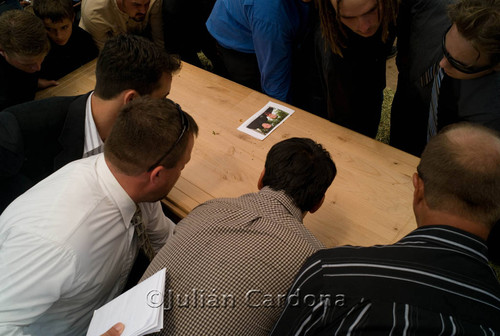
(420,28)
(43,136)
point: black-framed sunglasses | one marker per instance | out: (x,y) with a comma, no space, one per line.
(185,126)
(470,70)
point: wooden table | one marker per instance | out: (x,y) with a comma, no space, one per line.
(369,202)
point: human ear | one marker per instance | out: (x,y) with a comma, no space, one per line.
(260,184)
(318,205)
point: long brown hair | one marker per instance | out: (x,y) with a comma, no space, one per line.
(333,31)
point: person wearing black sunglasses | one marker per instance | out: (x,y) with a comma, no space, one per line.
(470,87)
(88,220)
(460,40)
(472,61)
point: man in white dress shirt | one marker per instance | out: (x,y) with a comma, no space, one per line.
(67,245)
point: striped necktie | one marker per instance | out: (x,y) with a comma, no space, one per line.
(433,108)
(142,235)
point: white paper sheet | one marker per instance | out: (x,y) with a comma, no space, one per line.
(266,120)
(140,309)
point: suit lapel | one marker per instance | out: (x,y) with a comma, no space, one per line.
(73,133)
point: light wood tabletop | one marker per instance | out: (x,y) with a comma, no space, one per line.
(369,202)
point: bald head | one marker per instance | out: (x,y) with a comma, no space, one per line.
(477,148)
(460,168)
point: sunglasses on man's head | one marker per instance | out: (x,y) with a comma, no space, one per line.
(470,70)
(185,125)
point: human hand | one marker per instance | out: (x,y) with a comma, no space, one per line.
(115,330)
(45,83)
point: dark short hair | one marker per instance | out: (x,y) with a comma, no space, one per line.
(54,10)
(460,168)
(22,33)
(478,21)
(301,168)
(146,129)
(129,62)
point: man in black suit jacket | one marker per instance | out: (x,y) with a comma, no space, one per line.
(451,34)
(45,135)
(420,28)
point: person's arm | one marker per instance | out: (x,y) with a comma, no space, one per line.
(156,23)
(87,47)
(34,274)
(95,26)
(45,83)
(11,145)
(297,313)
(273,48)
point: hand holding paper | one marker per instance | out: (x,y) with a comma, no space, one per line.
(140,309)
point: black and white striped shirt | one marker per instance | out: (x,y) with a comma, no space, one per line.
(435,281)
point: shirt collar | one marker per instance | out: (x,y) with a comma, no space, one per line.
(93,143)
(285,200)
(450,237)
(117,194)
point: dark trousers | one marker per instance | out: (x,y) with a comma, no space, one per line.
(241,67)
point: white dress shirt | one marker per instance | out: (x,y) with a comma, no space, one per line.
(67,247)
(93,143)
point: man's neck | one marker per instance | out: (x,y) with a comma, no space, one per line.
(133,185)
(104,113)
(433,217)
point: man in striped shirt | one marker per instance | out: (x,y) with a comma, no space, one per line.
(436,280)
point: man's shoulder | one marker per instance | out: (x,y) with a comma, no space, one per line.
(47,111)
(98,12)
(277,13)
(255,203)
(259,219)
(348,253)
(479,100)
(81,36)
(47,103)
(71,191)
(97,6)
